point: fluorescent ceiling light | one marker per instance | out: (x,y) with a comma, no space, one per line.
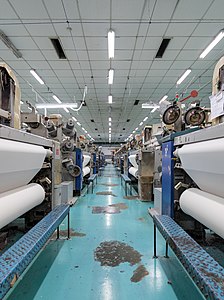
(136,128)
(133,131)
(111,41)
(56,99)
(36,76)
(78,123)
(146,118)
(109,123)
(148,105)
(110,119)
(153,110)
(83,129)
(181,79)
(66,110)
(56,105)
(212,44)
(89,135)
(110,129)
(9,44)
(21,102)
(111,76)
(163,99)
(140,124)
(74,119)
(110,99)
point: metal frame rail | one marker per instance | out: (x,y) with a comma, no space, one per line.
(15,260)
(203,269)
(127,180)
(91,179)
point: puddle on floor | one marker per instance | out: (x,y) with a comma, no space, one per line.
(64,233)
(139,274)
(109,209)
(105,210)
(106,193)
(108,184)
(130,197)
(113,253)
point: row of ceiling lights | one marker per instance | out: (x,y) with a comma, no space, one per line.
(216,40)
(111,46)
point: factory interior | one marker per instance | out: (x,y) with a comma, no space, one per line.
(111,143)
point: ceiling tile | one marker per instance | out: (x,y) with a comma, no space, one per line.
(35,9)
(191,9)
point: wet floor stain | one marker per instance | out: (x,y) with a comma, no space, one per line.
(121,206)
(141,219)
(64,233)
(109,184)
(139,274)
(130,197)
(106,193)
(105,210)
(109,209)
(113,253)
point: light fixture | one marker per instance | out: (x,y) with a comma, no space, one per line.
(110,99)
(140,124)
(83,129)
(110,129)
(21,102)
(153,110)
(74,119)
(109,123)
(36,76)
(149,105)
(111,76)
(163,99)
(56,99)
(181,79)
(136,128)
(146,118)
(111,42)
(78,123)
(109,119)
(216,40)
(133,131)
(66,110)
(9,44)
(56,105)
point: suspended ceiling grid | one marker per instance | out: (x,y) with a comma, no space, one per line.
(140,26)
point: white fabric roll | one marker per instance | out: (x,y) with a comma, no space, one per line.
(204,163)
(86,160)
(85,171)
(19,163)
(132,159)
(15,203)
(134,172)
(208,209)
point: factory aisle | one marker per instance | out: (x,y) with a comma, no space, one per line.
(109,256)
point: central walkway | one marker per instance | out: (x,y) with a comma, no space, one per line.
(109,256)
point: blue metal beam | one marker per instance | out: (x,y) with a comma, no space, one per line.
(15,260)
(203,269)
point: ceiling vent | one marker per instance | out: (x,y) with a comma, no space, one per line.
(136,102)
(58,48)
(128,120)
(92,120)
(162,48)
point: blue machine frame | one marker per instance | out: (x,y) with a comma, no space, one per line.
(168,179)
(94,163)
(78,179)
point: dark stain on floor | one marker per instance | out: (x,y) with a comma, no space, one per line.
(119,205)
(113,253)
(106,193)
(105,210)
(64,233)
(109,209)
(139,273)
(109,184)
(141,219)
(130,197)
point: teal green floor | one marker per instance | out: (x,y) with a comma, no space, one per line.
(66,269)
